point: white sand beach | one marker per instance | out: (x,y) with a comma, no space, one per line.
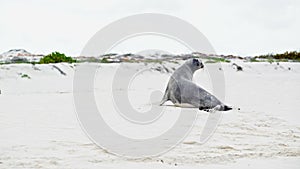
(39,126)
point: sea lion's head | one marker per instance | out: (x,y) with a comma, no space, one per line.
(195,64)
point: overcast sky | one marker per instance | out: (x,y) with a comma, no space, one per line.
(242,27)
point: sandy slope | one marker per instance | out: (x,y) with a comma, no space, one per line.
(39,128)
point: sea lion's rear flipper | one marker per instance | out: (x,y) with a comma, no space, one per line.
(218,108)
(226,108)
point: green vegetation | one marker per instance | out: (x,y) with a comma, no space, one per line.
(25,76)
(282,60)
(104,60)
(174,61)
(210,61)
(153,61)
(254,59)
(216,60)
(292,55)
(56,57)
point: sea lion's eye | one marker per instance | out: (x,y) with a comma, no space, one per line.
(196,62)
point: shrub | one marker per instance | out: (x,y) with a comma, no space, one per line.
(25,76)
(292,55)
(216,60)
(56,57)
(104,60)
(253,59)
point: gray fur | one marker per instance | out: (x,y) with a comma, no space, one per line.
(182,90)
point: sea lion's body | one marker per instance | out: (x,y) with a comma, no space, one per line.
(182,90)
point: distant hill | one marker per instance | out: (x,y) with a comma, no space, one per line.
(19,55)
(15,52)
(23,56)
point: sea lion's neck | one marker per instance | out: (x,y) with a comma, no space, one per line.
(187,72)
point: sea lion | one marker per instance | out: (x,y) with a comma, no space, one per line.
(182,90)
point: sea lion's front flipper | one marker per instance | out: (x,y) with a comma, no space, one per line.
(164,100)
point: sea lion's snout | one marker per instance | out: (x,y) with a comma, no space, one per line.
(201,66)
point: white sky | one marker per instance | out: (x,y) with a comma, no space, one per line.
(243,27)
